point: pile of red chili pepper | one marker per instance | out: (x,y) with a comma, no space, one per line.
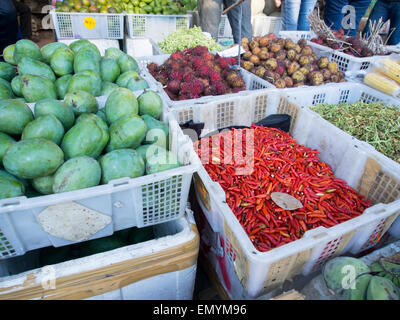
(280,165)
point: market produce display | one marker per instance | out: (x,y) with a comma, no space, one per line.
(188,38)
(280,165)
(380,281)
(374,123)
(287,64)
(196,72)
(58,71)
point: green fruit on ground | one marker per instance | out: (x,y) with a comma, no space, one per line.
(83,139)
(10,186)
(62,85)
(7,71)
(81,102)
(16,86)
(119,103)
(101,124)
(48,49)
(46,127)
(62,61)
(43,185)
(358,289)
(35,88)
(5,142)
(5,90)
(8,54)
(158,132)
(113,53)
(337,268)
(127,63)
(150,103)
(14,116)
(121,163)
(77,173)
(125,77)
(109,69)
(26,48)
(59,109)
(35,67)
(33,158)
(101,245)
(87,82)
(137,84)
(380,288)
(161,161)
(86,59)
(107,88)
(127,132)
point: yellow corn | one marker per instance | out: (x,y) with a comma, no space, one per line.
(391,68)
(382,83)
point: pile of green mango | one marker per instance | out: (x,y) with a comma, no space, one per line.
(63,145)
(352,279)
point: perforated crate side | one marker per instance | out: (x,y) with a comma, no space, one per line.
(6,248)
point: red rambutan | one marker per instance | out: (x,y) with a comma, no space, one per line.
(203,71)
(178,55)
(199,50)
(176,75)
(215,76)
(174,86)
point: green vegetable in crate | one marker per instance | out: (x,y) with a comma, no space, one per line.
(381,288)
(14,116)
(62,61)
(29,66)
(77,173)
(10,186)
(127,63)
(81,102)
(8,54)
(107,88)
(121,163)
(16,86)
(86,81)
(35,88)
(48,49)
(26,48)
(137,84)
(119,103)
(5,142)
(158,132)
(100,245)
(139,235)
(150,103)
(101,124)
(83,139)
(127,132)
(109,69)
(62,85)
(125,77)
(51,255)
(7,71)
(6,91)
(86,59)
(32,158)
(147,150)
(113,53)
(58,108)
(43,185)
(46,127)
(162,161)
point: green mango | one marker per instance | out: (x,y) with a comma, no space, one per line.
(35,88)
(127,63)
(81,102)
(77,173)
(107,88)
(121,163)
(59,109)
(125,77)
(5,92)
(109,69)
(7,71)
(16,86)
(78,44)
(161,161)
(119,103)
(95,81)
(113,53)
(147,150)
(5,142)
(86,59)
(381,288)
(101,124)
(62,61)
(150,103)
(32,158)
(62,85)
(48,49)
(127,132)
(158,132)
(102,114)
(358,289)
(34,67)
(43,185)
(10,186)
(82,139)
(8,54)
(14,116)
(26,48)
(46,127)
(137,84)
(86,82)
(100,245)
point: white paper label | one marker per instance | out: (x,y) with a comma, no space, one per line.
(231,52)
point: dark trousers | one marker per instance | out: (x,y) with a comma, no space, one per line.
(25,18)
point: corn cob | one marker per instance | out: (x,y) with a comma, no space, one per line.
(391,68)
(382,83)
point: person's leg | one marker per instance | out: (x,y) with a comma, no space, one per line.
(233,16)
(360,7)
(394,23)
(210,16)
(290,14)
(25,19)
(306,8)
(333,15)
(380,10)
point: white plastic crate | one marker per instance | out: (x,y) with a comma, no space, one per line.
(263,25)
(156,26)
(163,269)
(142,201)
(75,25)
(141,47)
(350,160)
(224,28)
